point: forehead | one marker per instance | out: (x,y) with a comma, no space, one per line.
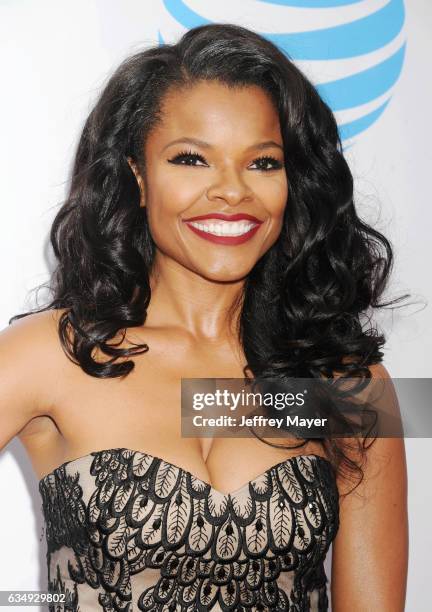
(221,112)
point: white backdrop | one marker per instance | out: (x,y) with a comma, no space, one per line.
(55,57)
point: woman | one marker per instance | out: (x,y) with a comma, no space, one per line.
(209,231)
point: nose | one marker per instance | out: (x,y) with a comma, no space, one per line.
(229,187)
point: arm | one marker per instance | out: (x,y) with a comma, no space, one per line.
(24,362)
(370,551)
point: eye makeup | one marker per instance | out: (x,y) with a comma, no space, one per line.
(187,157)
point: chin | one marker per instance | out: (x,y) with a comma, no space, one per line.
(224,276)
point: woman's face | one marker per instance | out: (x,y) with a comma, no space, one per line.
(216,151)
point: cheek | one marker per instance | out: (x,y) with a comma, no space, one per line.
(275,195)
(172,191)
(168,197)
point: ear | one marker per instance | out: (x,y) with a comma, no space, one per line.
(139,179)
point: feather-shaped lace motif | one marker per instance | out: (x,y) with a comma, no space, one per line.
(202,549)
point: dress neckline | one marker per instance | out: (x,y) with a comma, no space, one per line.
(182,470)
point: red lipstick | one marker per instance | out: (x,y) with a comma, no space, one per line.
(224,217)
(227,240)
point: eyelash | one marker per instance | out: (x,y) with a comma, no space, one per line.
(191,154)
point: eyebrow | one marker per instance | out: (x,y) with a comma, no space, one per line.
(206,145)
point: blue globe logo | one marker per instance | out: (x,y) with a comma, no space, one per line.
(352,50)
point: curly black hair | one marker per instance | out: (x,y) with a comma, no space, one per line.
(302,302)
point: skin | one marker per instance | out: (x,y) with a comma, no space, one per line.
(61,413)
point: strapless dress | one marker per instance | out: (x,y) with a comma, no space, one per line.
(127,531)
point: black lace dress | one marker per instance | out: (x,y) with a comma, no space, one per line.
(128,531)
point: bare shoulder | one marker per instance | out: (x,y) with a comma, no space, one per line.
(386,460)
(38,320)
(381,451)
(34,337)
(378,370)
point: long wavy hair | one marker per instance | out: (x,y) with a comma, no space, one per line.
(302,302)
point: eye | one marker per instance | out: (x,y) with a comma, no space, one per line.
(187,158)
(264,161)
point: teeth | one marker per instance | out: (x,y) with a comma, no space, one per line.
(225,228)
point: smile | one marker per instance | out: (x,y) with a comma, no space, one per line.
(224,232)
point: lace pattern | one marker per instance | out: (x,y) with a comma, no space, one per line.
(127,531)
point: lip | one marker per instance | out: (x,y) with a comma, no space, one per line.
(224,217)
(226,240)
